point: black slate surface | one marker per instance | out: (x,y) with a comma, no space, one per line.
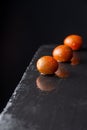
(63,108)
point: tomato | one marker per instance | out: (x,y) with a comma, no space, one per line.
(47,65)
(74,41)
(62,53)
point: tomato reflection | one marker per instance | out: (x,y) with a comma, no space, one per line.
(75,59)
(62,71)
(46,83)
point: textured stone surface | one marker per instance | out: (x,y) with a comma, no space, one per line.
(64,108)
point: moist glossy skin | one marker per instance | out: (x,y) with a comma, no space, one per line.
(62,53)
(47,65)
(74,41)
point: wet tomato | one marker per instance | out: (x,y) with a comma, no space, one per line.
(47,65)
(62,53)
(74,41)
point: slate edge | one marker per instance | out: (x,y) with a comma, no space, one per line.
(9,103)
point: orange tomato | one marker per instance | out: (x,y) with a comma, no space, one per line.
(47,65)
(62,53)
(74,41)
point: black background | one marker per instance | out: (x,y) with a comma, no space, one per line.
(25,25)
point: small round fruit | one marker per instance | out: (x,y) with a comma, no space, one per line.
(74,41)
(62,53)
(47,65)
